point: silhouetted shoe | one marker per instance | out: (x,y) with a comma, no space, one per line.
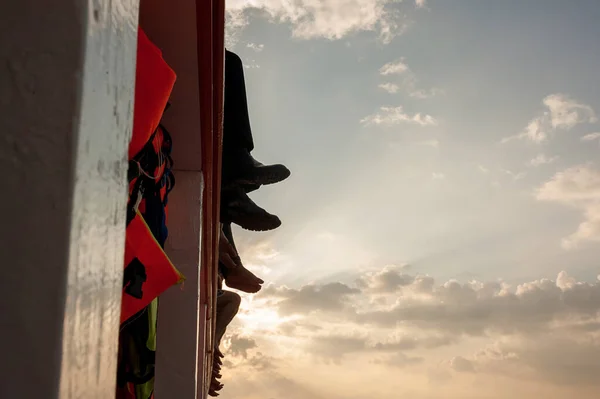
(248,188)
(238,208)
(239,167)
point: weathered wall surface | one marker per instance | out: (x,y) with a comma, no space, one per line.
(66,102)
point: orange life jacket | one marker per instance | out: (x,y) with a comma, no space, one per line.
(154,81)
(148,270)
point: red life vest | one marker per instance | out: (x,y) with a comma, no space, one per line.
(148,270)
(154,81)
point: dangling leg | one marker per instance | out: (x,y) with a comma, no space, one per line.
(238,165)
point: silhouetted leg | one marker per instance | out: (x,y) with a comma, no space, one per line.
(237,133)
(227,307)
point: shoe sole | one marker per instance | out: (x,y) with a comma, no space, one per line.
(265,178)
(254,228)
(251,224)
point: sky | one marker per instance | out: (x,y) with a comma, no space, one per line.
(441,224)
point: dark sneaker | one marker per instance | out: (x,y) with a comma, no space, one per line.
(238,208)
(241,168)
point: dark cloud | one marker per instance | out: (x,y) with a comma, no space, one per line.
(481,308)
(330,297)
(562,359)
(239,346)
(260,362)
(335,347)
(544,330)
(400,360)
(407,343)
(298,327)
(462,365)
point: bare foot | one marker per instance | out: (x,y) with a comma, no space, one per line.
(219,353)
(238,277)
(243,279)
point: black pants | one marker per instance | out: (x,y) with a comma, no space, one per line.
(236,121)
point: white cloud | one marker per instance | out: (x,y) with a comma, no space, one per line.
(591,137)
(235,22)
(561,113)
(420,3)
(408,80)
(330,19)
(438,176)
(389,279)
(542,159)
(483,169)
(389,116)
(534,131)
(565,113)
(424,94)
(251,64)
(577,187)
(515,175)
(256,47)
(393,68)
(390,87)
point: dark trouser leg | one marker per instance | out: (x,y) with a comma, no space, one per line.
(227,307)
(237,133)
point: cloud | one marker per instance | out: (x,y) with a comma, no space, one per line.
(462,365)
(515,175)
(438,176)
(565,113)
(235,22)
(256,47)
(591,137)
(577,187)
(330,19)
(310,298)
(407,80)
(239,346)
(251,64)
(390,87)
(400,360)
(479,309)
(389,279)
(451,308)
(542,159)
(390,116)
(424,94)
(561,113)
(420,3)
(543,332)
(393,68)
(334,347)
(549,357)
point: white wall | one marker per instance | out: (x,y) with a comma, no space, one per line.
(66,102)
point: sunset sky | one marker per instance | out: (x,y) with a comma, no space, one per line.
(441,224)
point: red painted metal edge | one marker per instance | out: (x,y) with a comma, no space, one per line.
(210,17)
